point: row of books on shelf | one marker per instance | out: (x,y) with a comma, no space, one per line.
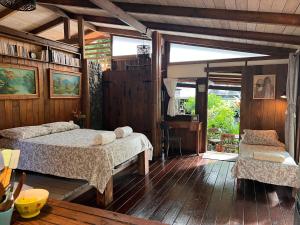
(21,51)
(43,55)
(65,59)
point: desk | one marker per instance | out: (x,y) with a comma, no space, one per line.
(61,212)
(192,126)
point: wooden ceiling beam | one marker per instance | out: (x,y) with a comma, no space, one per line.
(6,12)
(235,46)
(123,16)
(249,35)
(210,13)
(48,25)
(206,13)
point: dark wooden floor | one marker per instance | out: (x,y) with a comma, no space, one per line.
(192,190)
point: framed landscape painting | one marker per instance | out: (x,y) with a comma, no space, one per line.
(264,86)
(18,82)
(65,84)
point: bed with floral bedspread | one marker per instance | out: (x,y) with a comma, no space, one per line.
(71,154)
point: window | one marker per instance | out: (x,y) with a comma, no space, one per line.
(127,46)
(185,96)
(184,53)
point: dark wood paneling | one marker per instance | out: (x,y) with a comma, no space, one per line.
(201,109)
(263,114)
(24,112)
(127,100)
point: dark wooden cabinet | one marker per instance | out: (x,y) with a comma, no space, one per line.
(128,100)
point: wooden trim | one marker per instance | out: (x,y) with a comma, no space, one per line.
(23,96)
(211,13)
(269,50)
(226,88)
(31,38)
(67,27)
(192,12)
(47,26)
(240,34)
(52,95)
(226,60)
(249,35)
(119,13)
(6,12)
(121,32)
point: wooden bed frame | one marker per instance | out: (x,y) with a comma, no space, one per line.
(103,200)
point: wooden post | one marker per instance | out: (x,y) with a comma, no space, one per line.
(157,45)
(67,34)
(201,108)
(143,163)
(103,200)
(85,99)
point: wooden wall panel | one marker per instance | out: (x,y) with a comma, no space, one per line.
(263,114)
(127,98)
(23,112)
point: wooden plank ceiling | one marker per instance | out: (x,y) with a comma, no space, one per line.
(261,22)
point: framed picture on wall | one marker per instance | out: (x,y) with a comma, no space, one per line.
(264,86)
(64,84)
(18,82)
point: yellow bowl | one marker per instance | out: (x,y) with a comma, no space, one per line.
(30,202)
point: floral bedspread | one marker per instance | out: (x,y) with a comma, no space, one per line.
(70,154)
(283,174)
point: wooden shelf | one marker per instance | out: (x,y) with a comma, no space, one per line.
(19,57)
(64,64)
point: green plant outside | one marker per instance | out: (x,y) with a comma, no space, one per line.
(221,113)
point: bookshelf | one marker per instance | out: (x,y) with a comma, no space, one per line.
(60,57)
(17,49)
(28,50)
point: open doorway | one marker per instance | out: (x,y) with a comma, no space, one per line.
(223,111)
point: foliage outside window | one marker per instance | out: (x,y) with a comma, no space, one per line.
(185,100)
(223,114)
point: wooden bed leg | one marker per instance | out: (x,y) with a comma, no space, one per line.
(294,192)
(103,200)
(143,163)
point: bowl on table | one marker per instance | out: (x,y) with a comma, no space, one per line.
(30,202)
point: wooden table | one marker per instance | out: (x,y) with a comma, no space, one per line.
(66,213)
(192,126)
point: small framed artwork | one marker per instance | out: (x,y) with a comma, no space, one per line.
(195,118)
(264,86)
(64,84)
(18,82)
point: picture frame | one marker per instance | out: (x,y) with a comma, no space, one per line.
(64,84)
(264,86)
(19,82)
(195,118)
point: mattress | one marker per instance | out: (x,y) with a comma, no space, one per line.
(283,174)
(71,154)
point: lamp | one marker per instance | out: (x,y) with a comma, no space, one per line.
(283,95)
(20,5)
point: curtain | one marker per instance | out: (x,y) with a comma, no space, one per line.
(171,88)
(291,93)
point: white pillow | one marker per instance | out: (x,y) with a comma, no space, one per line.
(57,127)
(25,132)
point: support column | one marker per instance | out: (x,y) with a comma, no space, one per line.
(85,98)
(157,49)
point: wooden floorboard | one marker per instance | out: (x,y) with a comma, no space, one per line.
(191,190)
